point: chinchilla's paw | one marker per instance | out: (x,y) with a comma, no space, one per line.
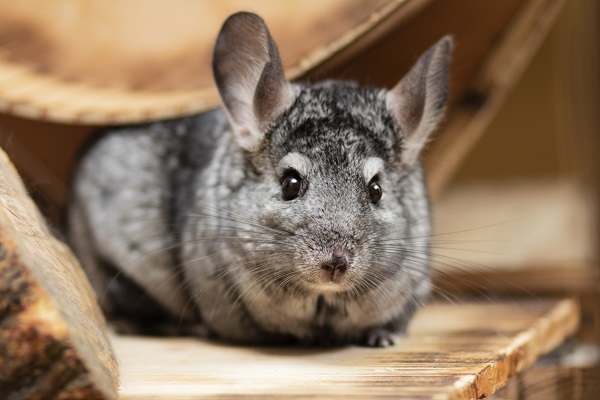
(382,337)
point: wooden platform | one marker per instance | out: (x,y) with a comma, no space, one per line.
(453,351)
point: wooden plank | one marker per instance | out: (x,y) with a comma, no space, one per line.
(475,26)
(53,341)
(463,350)
(488,90)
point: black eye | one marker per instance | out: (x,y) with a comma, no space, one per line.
(291,185)
(375,191)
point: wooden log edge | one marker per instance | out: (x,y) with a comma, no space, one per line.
(53,337)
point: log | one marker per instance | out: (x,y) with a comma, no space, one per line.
(53,336)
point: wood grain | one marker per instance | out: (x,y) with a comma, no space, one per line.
(153,45)
(452,351)
(156,56)
(53,341)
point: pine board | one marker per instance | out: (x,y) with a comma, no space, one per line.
(452,351)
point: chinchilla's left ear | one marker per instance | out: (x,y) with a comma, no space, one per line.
(418,101)
(250,78)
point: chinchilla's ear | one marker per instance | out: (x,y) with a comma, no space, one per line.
(418,101)
(250,77)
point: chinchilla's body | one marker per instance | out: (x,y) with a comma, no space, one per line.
(295,212)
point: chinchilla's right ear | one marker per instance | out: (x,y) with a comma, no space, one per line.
(250,78)
(418,101)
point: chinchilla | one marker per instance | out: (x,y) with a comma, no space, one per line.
(296,212)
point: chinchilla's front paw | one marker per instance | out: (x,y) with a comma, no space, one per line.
(382,337)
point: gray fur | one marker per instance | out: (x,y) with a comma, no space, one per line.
(191,215)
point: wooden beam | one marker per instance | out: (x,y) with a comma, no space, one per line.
(500,72)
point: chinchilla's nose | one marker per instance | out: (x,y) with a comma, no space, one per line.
(334,268)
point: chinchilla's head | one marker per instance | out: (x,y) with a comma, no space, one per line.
(337,165)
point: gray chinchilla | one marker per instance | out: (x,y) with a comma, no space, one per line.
(297,212)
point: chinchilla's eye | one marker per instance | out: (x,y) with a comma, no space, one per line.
(375,191)
(291,185)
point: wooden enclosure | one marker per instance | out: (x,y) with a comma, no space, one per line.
(513,174)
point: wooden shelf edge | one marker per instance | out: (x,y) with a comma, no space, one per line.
(546,334)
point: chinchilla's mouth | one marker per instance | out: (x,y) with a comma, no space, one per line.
(328,282)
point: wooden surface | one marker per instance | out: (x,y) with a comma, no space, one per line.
(53,341)
(158,46)
(452,351)
(517,236)
(49,68)
(487,90)
(156,59)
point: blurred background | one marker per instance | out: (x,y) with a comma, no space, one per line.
(513,173)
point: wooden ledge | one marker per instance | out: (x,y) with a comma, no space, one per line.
(452,351)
